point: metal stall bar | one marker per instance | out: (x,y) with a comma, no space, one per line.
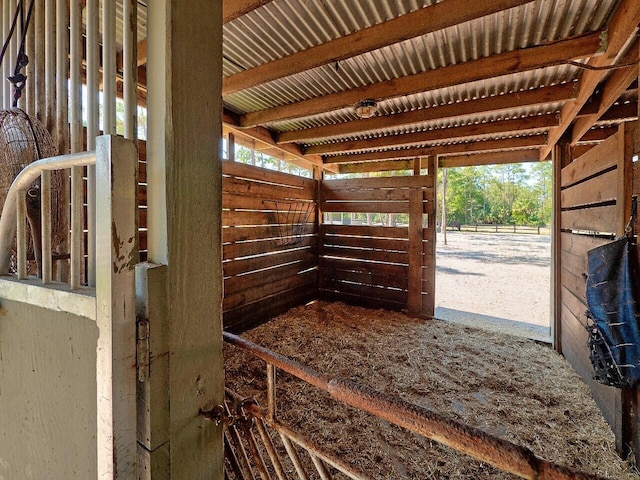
(11,212)
(77,187)
(109,67)
(93,99)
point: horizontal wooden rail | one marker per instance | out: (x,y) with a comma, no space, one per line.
(500,453)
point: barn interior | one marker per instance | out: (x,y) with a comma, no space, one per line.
(368,99)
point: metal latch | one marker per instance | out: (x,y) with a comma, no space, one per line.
(143,360)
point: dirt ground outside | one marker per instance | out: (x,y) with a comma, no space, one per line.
(495,281)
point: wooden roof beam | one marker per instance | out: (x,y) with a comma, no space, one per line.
(538,122)
(410,25)
(538,96)
(614,86)
(487,158)
(515,61)
(622,112)
(621,27)
(490,158)
(261,134)
(532,141)
(232,9)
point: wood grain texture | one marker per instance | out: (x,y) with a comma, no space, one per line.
(598,159)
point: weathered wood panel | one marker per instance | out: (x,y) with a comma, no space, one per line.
(253,314)
(600,189)
(268,252)
(596,160)
(593,191)
(371,265)
(597,219)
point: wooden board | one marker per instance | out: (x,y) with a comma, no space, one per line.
(365,207)
(599,189)
(363,266)
(232,234)
(373,292)
(387,194)
(364,231)
(251,202)
(422,181)
(236,284)
(243,170)
(596,160)
(354,299)
(266,191)
(361,254)
(258,293)
(370,277)
(248,316)
(398,245)
(246,249)
(597,219)
(236,267)
(247,218)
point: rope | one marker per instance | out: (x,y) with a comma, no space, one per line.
(11,31)
(19,79)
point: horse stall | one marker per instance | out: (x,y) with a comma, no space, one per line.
(216,319)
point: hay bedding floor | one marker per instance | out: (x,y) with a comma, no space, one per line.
(512,388)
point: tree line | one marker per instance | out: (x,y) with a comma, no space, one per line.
(498,194)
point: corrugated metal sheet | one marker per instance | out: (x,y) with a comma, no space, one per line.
(531,24)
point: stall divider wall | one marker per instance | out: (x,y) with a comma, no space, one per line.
(270,243)
(373,265)
(595,197)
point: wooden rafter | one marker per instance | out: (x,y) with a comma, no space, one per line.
(232,9)
(420,22)
(495,103)
(249,137)
(614,86)
(515,61)
(487,158)
(480,129)
(621,27)
(491,158)
(456,148)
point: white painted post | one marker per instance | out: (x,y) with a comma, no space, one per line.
(117,255)
(184,175)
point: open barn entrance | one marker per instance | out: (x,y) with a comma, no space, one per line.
(493,258)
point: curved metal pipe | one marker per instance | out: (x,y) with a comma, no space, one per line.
(23,181)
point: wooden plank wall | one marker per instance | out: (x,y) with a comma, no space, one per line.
(373,265)
(263,277)
(590,207)
(266,272)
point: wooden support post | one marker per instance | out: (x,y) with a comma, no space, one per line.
(629,438)
(561,158)
(429,257)
(153,381)
(117,247)
(184,176)
(415,247)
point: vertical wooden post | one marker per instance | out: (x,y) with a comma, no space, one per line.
(561,158)
(117,251)
(429,248)
(415,247)
(318,175)
(630,431)
(184,220)
(444,206)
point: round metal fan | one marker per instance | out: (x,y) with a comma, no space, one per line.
(23,140)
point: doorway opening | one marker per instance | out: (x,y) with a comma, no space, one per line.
(493,250)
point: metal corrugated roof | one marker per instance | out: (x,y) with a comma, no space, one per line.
(531,24)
